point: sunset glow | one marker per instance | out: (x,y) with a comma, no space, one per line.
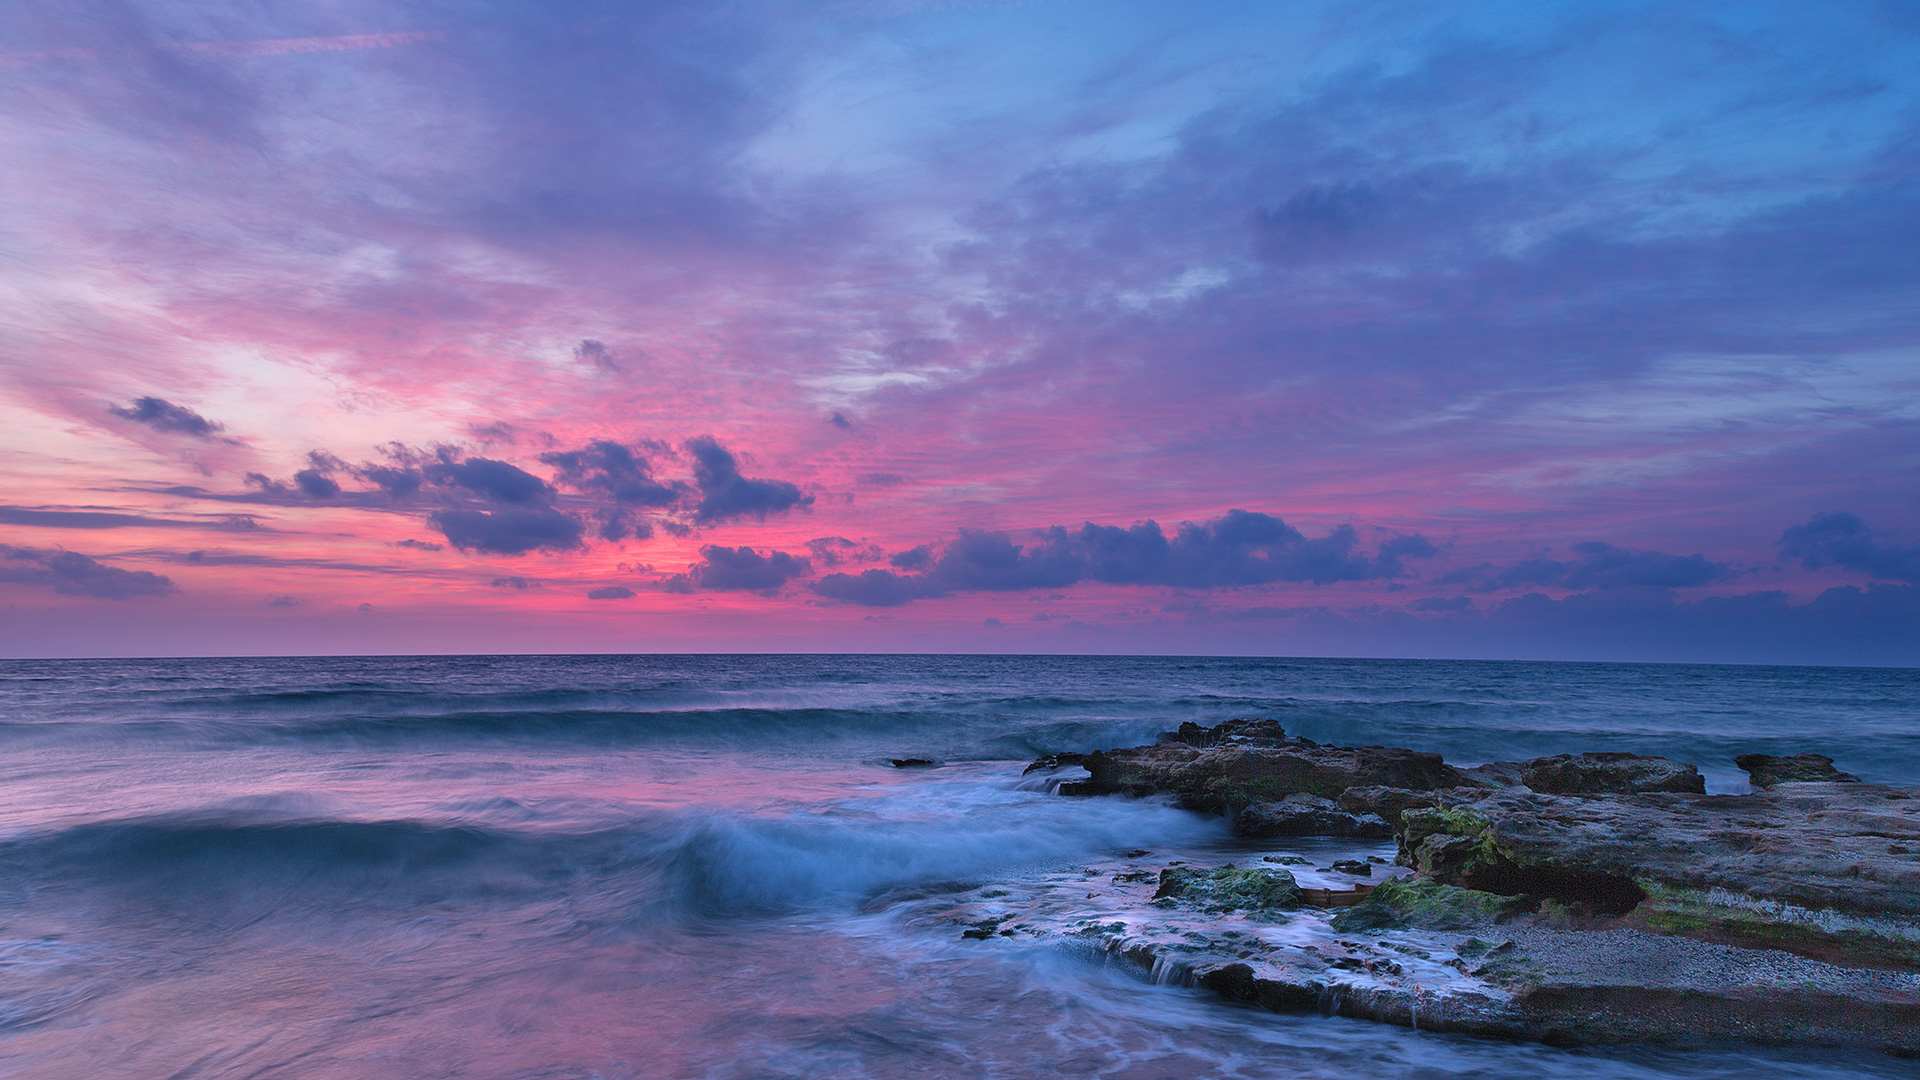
(1529,330)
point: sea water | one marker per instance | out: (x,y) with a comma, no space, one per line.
(706,866)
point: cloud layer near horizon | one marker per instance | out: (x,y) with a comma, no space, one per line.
(739,309)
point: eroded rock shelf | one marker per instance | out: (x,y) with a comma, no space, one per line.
(1578,899)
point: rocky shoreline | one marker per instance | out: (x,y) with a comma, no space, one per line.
(1579,899)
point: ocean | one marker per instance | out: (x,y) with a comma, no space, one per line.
(706,866)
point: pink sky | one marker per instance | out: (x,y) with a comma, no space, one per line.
(1451,297)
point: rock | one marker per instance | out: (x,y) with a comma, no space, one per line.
(1427,904)
(1251,731)
(1804,867)
(912,762)
(1356,867)
(1241,762)
(1495,774)
(1230,888)
(1308,815)
(1609,774)
(1385,802)
(1054,761)
(1446,959)
(1766,770)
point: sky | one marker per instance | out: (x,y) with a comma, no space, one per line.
(1529,330)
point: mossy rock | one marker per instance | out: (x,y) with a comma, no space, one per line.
(1230,888)
(1399,904)
(1758,924)
(1417,823)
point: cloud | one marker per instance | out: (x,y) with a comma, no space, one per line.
(283,601)
(840,421)
(1600,566)
(741,569)
(613,469)
(41,518)
(418,545)
(610,592)
(1845,541)
(1443,603)
(622,473)
(833,550)
(1604,566)
(725,494)
(498,481)
(515,582)
(918,558)
(73,574)
(315,484)
(596,353)
(399,482)
(872,588)
(508,531)
(1239,548)
(163,415)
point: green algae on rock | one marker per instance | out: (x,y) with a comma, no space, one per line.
(1231,888)
(1401,904)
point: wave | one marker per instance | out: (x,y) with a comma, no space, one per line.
(665,866)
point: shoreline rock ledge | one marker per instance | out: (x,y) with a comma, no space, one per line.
(1577,899)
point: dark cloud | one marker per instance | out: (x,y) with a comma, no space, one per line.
(882,479)
(610,592)
(992,561)
(871,588)
(95,519)
(1604,566)
(315,484)
(614,469)
(833,550)
(743,569)
(398,481)
(508,531)
(1443,603)
(1599,566)
(163,415)
(515,582)
(74,574)
(913,558)
(622,473)
(1845,541)
(284,601)
(418,545)
(840,421)
(497,481)
(1239,548)
(224,558)
(725,494)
